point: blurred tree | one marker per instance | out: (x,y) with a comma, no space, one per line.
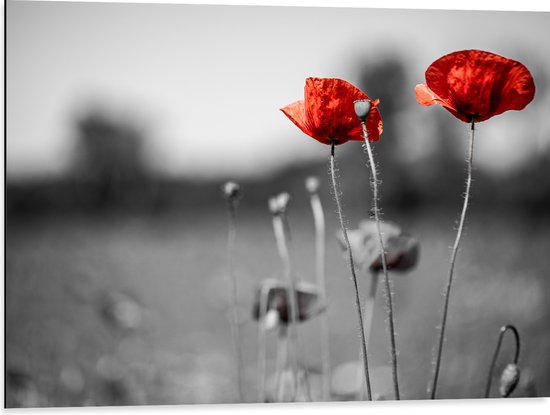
(109,159)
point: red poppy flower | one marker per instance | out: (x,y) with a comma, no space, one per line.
(475,85)
(327,112)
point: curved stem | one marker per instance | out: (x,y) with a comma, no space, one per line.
(234,321)
(387,286)
(319,220)
(354,277)
(454,252)
(503,330)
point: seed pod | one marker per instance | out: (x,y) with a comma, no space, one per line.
(362,109)
(509,380)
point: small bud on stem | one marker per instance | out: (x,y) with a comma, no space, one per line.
(362,108)
(231,190)
(312,184)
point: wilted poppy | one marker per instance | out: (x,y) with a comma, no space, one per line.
(401,254)
(327,112)
(401,250)
(277,300)
(475,85)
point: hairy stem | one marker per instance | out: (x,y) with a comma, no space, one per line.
(387,286)
(353,275)
(454,252)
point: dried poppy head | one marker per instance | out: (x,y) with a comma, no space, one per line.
(327,112)
(402,253)
(276,299)
(475,85)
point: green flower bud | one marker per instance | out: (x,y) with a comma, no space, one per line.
(509,380)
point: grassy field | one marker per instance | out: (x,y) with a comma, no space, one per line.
(169,340)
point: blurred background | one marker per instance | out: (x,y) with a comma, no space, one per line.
(124,120)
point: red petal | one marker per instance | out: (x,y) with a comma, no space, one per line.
(297,114)
(425,96)
(331,114)
(327,112)
(480,84)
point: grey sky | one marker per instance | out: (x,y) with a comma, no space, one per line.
(208,81)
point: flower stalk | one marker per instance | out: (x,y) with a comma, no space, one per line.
(281,227)
(454,253)
(312,185)
(387,286)
(353,274)
(282,357)
(368,313)
(232,193)
(368,309)
(262,342)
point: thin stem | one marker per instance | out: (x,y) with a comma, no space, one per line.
(319,220)
(370,299)
(503,330)
(387,286)
(281,237)
(262,343)
(368,312)
(454,252)
(234,320)
(294,321)
(282,356)
(354,277)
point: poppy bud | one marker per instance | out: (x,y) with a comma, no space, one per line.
(278,204)
(273,205)
(231,190)
(362,108)
(312,184)
(283,200)
(509,380)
